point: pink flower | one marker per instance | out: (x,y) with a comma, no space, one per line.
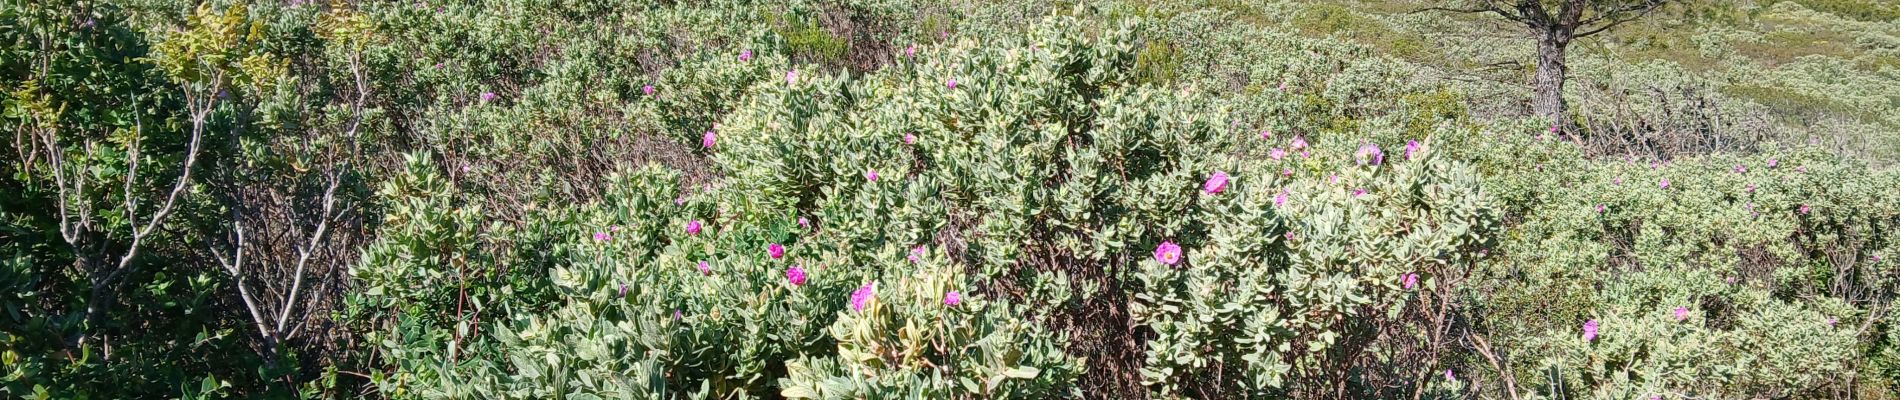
(804,223)
(1279,199)
(1266,134)
(952,298)
(1773,162)
(1168,253)
(1802,168)
(438,65)
(1358,192)
(1299,142)
(910,138)
(1277,153)
(1601,209)
(623,290)
(1449,376)
(1286,172)
(795,276)
(1215,184)
(1740,169)
(870,175)
(1665,183)
(776,250)
(705,269)
(602,237)
(917,254)
(1411,147)
(1751,188)
(745,55)
(952,84)
(863,296)
(679,201)
(1682,313)
(707,140)
(1804,209)
(1553,128)
(1334,178)
(1409,280)
(615,228)
(1831,321)
(1369,153)
(692,227)
(648,90)
(1619,181)
(910,51)
(791,77)
(1283,85)
(1289,236)
(488,96)
(1590,330)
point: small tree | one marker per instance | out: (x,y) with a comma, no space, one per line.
(1556,23)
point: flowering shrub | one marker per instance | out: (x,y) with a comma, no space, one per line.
(906,199)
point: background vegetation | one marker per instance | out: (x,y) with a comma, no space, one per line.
(943,199)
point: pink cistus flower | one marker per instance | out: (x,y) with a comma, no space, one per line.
(1664,184)
(679,201)
(1682,313)
(1802,168)
(1215,184)
(1358,192)
(1282,85)
(952,298)
(1804,209)
(709,139)
(916,254)
(1449,376)
(804,223)
(1279,199)
(910,138)
(705,269)
(623,290)
(1590,330)
(647,90)
(602,237)
(1266,134)
(438,65)
(775,250)
(1334,178)
(692,227)
(1299,142)
(1831,321)
(488,96)
(1411,148)
(1409,280)
(1772,162)
(910,51)
(1168,253)
(1750,188)
(1289,236)
(863,296)
(615,228)
(1277,153)
(1741,169)
(795,276)
(870,175)
(745,55)
(1619,181)
(791,77)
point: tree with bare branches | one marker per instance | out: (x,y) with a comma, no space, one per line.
(1556,23)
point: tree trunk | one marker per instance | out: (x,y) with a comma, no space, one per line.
(1549,82)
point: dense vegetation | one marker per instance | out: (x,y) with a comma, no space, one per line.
(929,199)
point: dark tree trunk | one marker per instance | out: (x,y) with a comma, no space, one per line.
(1549,83)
